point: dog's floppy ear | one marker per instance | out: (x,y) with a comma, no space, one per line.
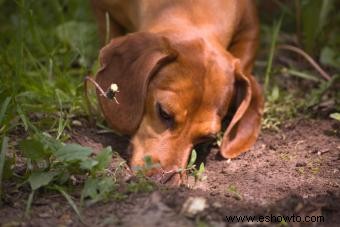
(245,125)
(130,62)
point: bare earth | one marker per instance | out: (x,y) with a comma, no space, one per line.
(292,172)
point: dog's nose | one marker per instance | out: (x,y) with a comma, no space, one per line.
(210,137)
(207,138)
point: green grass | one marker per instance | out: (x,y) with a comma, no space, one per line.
(47,51)
(314,36)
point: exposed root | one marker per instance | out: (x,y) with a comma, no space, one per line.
(297,50)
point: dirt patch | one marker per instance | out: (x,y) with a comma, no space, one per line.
(292,172)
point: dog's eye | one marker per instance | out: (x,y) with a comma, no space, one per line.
(164,115)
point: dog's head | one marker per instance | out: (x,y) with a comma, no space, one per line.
(175,95)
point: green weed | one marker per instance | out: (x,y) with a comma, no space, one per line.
(280,106)
(192,169)
(232,189)
(54,165)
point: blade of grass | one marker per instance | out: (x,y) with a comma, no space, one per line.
(107,25)
(70,201)
(298,20)
(29,204)
(324,87)
(36,63)
(2,162)
(4,109)
(19,56)
(61,126)
(298,74)
(284,8)
(326,8)
(22,117)
(276,30)
(61,122)
(50,69)
(34,31)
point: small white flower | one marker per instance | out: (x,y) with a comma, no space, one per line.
(114,87)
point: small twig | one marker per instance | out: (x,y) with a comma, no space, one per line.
(109,94)
(308,58)
(102,92)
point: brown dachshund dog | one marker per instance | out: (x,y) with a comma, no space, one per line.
(184,66)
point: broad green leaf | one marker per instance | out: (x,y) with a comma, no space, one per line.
(98,188)
(330,57)
(104,159)
(335,116)
(63,176)
(34,149)
(50,142)
(90,188)
(88,164)
(73,153)
(39,179)
(193,158)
